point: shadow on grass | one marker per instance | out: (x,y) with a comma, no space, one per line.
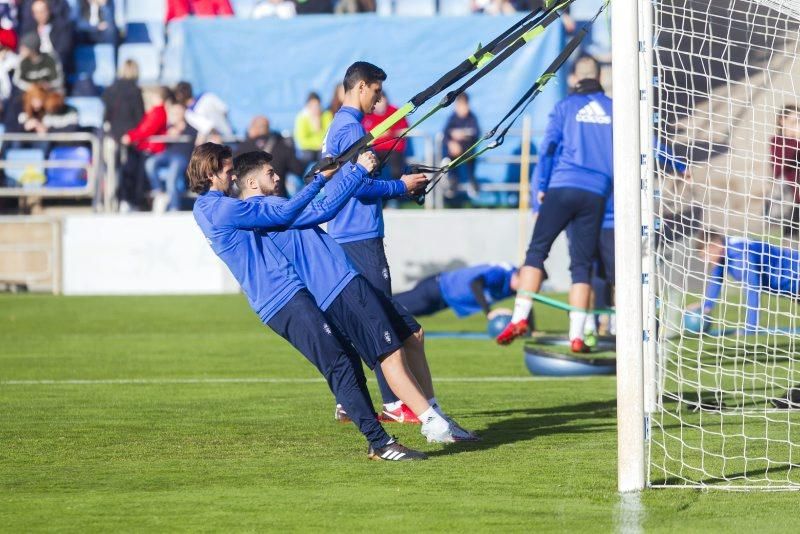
(512,426)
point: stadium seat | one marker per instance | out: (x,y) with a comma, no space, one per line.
(454,8)
(145,10)
(415,8)
(243,8)
(96,61)
(29,175)
(147,56)
(146,32)
(90,110)
(67,176)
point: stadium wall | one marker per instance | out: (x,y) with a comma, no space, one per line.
(139,254)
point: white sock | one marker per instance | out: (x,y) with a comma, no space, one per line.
(392,406)
(431,418)
(435,405)
(577,320)
(590,326)
(522,308)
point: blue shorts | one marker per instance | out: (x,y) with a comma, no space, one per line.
(424,299)
(369,258)
(581,209)
(368,321)
(605,251)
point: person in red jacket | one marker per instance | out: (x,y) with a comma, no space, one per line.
(133,180)
(784,203)
(385,148)
(178,9)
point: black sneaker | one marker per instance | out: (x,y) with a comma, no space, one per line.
(395,452)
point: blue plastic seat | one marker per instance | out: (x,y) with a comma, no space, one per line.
(90,110)
(145,10)
(146,32)
(454,8)
(68,176)
(147,56)
(32,156)
(415,8)
(97,61)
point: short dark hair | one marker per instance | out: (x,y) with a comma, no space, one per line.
(313,95)
(463,96)
(245,163)
(183,92)
(206,161)
(361,71)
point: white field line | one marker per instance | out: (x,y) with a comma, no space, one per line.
(260,380)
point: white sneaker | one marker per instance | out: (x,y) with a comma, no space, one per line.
(437,430)
(160,202)
(125,207)
(460,433)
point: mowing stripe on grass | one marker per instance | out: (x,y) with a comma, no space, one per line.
(264,380)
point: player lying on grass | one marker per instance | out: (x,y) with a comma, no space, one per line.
(761,267)
(273,288)
(466,291)
(364,316)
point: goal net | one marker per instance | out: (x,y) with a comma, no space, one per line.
(724,367)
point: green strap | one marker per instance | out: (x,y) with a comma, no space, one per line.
(562,305)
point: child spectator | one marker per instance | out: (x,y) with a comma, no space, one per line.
(166,170)
(132,184)
(206,112)
(96,23)
(784,203)
(387,147)
(36,67)
(310,127)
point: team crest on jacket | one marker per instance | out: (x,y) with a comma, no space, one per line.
(385,273)
(387,337)
(327,329)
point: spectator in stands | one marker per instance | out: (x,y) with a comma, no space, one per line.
(8,24)
(96,23)
(133,180)
(460,133)
(46,111)
(784,202)
(493,7)
(55,32)
(9,62)
(336,99)
(355,6)
(284,160)
(388,148)
(36,67)
(310,127)
(166,170)
(178,9)
(205,112)
(124,106)
(313,7)
(283,9)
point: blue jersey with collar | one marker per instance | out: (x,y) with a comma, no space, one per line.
(577,148)
(457,293)
(362,216)
(266,276)
(318,259)
(761,267)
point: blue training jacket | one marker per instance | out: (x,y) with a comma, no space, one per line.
(318,259)
(266,277)
(577,149)
(362,217)
(760,267)
(457,293)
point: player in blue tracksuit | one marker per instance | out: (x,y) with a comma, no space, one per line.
(273,288)
(759,266)
(575,178)
(466,291)
(365,317)
(358,228)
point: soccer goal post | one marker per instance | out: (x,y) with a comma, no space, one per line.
(706,160)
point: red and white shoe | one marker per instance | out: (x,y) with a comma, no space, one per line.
(340,415)
(512,331)
(403,414)
(579,346)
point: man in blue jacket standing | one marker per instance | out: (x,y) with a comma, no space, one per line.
(575,179)
(358,228)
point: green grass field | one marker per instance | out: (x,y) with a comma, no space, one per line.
(184,413)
